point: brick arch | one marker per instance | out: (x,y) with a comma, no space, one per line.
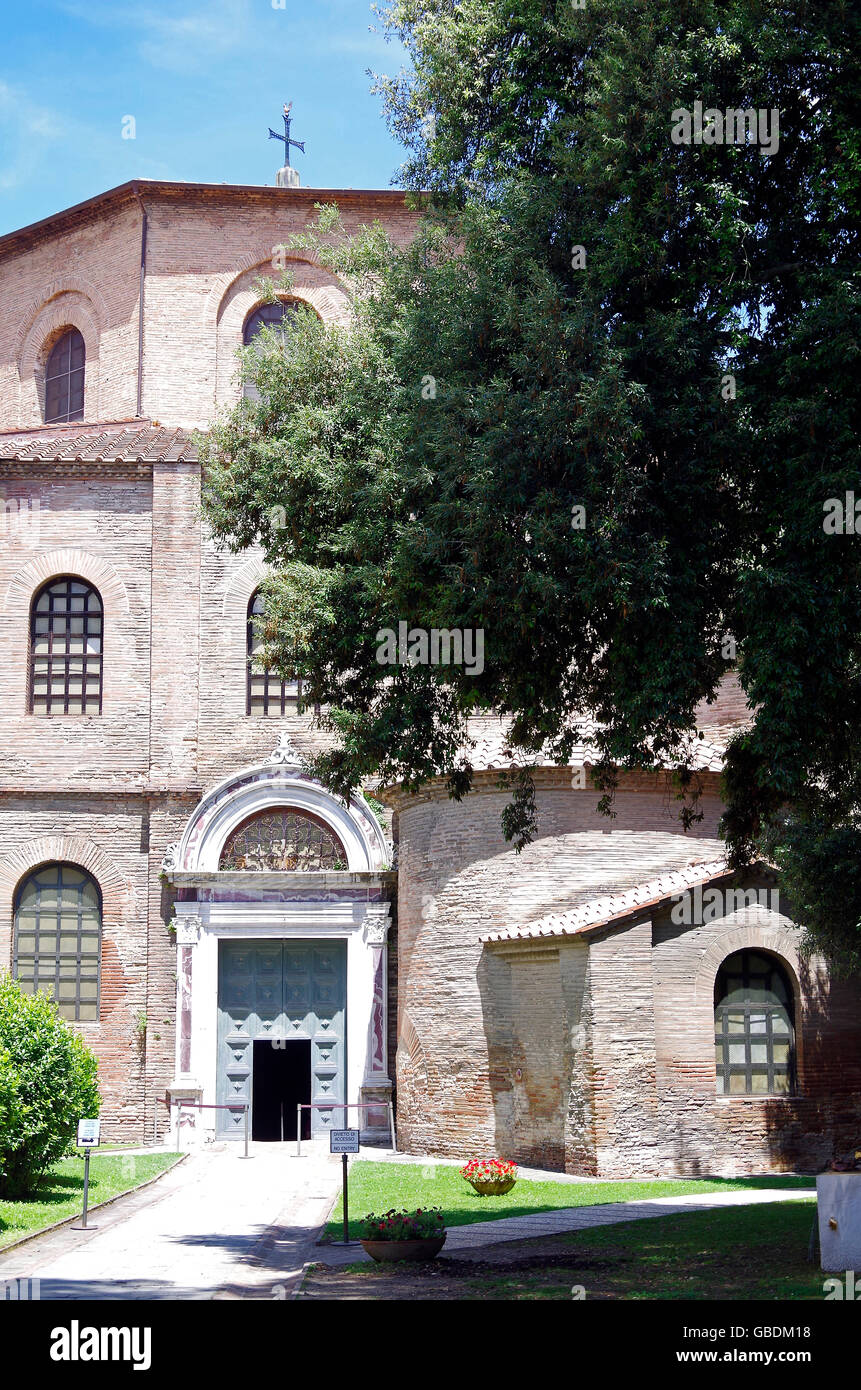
(774,939)
(65,284)
(96,571)
(118,895)
(238,591)
(233,298)
(70,306)
(119,636)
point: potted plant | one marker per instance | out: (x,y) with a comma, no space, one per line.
(404,1235)
(490,1177)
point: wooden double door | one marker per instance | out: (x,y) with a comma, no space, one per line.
(282,1011)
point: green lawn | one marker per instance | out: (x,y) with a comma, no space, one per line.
(735,1253)
(375,1187)
(738,1253)
(60,1193)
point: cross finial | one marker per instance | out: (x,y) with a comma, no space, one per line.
(273,135)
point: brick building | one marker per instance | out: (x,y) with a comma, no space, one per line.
(221,929)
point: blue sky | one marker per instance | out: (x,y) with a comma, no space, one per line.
(203,79)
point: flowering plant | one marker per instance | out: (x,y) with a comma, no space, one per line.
(488,1170)
(420,1224)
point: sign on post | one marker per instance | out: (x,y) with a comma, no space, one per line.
(343,1141)
(88,1138)
(88,1133)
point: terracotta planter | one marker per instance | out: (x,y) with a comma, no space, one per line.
(390,1250)
(492,1187)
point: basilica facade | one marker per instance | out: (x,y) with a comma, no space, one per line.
(235,943)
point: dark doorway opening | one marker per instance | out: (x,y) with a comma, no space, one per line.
(282,1080)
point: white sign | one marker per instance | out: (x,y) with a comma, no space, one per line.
(88,1133)
(343,1141)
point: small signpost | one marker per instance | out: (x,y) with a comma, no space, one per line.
(88,1138)
(343,1142)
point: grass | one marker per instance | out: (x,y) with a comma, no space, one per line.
(737,1253)
(375,1187)
(60,1193)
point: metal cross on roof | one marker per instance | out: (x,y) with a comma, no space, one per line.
(273,135)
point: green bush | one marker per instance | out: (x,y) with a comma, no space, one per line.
(47,1083)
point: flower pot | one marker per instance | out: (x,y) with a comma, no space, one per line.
(390,1250)
(492,1187)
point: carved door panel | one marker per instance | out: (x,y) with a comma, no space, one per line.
(281,990)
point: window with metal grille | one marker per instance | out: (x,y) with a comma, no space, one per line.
(66,649)
(279,316)
(267,693)
(754,1033)
(64,379)
(58,938)
(283,840)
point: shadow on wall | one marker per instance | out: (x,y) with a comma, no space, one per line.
(528,1065)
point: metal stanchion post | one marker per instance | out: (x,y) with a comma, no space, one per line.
(392,1127)
(346,1212)
(298,1131)
(246,1128)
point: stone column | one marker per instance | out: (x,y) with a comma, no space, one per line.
(185,1122)
(377,1085)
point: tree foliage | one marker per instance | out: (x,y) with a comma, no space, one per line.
(593,323)
(47,1084)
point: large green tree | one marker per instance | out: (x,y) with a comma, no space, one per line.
(595,411)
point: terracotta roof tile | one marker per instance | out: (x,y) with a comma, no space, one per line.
(116,442)
(612,907)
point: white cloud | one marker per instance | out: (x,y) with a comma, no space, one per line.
(179,42)
(27,129)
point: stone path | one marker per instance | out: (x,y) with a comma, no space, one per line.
(465,1239)
(217,1226)
(220,1226)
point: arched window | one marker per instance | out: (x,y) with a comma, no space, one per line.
(754,1033)
(284,839)
(267,693)
(58,939)
(66,649)
(279,316)
(64,379)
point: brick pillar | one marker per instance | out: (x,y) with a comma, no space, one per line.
(175,641)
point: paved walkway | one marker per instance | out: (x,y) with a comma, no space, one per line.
(468,1240)
(217,1226)
(221,1226)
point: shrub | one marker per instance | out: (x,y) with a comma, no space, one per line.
(47,1083)
(403,1224)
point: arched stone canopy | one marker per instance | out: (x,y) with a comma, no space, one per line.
(258,789)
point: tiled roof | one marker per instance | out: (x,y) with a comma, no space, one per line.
(602,911)
(123,441)
(491,748)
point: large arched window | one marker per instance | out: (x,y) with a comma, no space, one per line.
(66,648)
(754,1033)
(64,379)
(279,316)
(58,939)
(266,692)
(284,840)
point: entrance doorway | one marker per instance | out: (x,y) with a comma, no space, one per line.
(281,1081)
(282,1007)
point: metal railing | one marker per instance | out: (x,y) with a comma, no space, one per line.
(199,1105)
(344,1105)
